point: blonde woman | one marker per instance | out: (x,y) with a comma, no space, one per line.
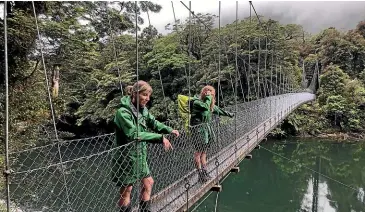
(201,114)
(130,163)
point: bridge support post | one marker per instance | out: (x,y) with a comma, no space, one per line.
(249,156)
(258,147)
(187,187)
(216,188)
(235,169)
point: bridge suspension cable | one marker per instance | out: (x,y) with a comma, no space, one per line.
(236,81)
(261,25)
(50,102)
(209,29)
(236,68)
(201,53)
(7,164)
(115,54)
(175,174)
(179,39)
(136,146)
(249,61)
(159,71)
(230,75)
(266,50)
(219,82)
(265,74)
(219,86)
(187,184)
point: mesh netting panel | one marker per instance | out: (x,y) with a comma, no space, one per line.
(77,175)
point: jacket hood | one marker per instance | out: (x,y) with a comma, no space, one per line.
(125,102)
(196,97)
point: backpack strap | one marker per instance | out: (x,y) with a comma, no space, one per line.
(191,103)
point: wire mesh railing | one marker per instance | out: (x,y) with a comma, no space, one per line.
(37,181)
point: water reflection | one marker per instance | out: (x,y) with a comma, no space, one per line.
(360,195)
(324,203)
(272,183)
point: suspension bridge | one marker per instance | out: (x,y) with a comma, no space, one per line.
(75,175)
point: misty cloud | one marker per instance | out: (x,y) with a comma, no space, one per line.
(313,16)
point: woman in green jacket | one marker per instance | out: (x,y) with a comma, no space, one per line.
(202,109)
(130,159)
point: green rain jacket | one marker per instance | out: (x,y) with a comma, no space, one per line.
(129,163)
(201,114)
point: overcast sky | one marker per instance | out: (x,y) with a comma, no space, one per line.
(313,15)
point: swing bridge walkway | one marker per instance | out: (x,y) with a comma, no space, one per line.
(75,175)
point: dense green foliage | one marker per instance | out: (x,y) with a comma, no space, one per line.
(340,101)
(94,47)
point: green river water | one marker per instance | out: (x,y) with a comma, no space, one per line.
(295,176)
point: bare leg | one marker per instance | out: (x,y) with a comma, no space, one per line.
(204,160)
(147,184)
(125,196)
(204,165)
(145,204)
(197,157)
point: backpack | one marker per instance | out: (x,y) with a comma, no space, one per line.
(183,107)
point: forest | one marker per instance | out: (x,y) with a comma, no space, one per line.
(89,51)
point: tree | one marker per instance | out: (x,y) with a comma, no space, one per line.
(361,28)
(333,82)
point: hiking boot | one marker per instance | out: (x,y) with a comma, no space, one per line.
(205,172)
(202,176)
(145,206)
(126,208)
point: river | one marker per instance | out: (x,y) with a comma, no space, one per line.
(282,176)
(295,176)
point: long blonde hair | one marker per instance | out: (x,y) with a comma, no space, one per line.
(138,87)
(212,90)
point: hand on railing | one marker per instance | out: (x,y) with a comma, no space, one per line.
(166,143)
(176,133)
